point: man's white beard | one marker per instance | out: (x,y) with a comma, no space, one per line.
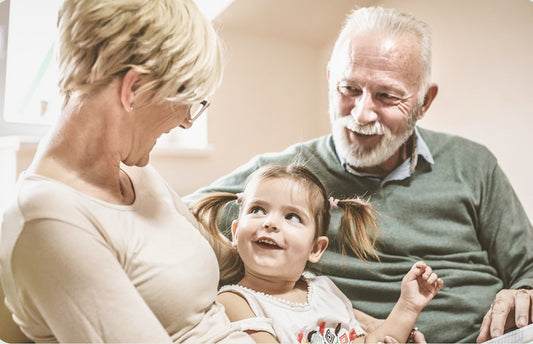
(358,156)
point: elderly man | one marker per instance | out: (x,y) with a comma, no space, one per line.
(442,198)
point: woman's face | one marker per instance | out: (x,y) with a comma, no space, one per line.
(149,123)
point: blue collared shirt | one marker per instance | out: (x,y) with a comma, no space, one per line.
(401,172)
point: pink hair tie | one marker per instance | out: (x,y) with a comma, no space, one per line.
(333,203)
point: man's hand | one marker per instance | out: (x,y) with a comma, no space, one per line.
(511,307)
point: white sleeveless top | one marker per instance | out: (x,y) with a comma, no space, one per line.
(326,317)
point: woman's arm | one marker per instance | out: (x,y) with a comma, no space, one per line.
(9,331)
(237,308)
(78,288)
(229,262)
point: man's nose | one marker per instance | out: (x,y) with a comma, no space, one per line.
(364,110)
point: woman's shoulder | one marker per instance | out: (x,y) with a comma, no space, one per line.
(38,196)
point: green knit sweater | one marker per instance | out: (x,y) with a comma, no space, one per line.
(460,215)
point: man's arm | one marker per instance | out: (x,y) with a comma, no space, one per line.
(509,246)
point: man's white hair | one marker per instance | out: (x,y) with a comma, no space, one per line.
(390,22)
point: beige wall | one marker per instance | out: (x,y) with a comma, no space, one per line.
(483,63)
(274,92)
(270,98)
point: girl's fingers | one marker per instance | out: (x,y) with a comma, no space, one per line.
(427,274)
(420,264)
(432,278)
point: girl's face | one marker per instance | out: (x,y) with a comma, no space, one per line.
(275,232)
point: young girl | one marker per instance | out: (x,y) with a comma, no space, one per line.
(284,214)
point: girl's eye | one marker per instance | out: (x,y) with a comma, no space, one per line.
(257,210)
(293,218)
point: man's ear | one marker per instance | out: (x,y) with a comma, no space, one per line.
(318,249)
(127,89)
(428,99)
(234,226)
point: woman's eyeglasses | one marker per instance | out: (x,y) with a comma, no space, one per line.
(197,109)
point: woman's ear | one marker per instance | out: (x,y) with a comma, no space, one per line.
(127,89)
(319,248)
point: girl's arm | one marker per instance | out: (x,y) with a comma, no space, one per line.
(419,287)
(237,308)
(367,322)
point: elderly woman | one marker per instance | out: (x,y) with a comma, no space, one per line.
(96,247)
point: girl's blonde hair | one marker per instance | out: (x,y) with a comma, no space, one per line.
(357,231)
(169,41)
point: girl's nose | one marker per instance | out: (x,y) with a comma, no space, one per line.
(268,224)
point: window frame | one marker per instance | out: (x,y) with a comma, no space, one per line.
(8,128)
(32,132)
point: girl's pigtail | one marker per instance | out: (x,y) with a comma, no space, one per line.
(358,228)
(207,211)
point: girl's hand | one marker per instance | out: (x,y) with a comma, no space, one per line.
(420,285)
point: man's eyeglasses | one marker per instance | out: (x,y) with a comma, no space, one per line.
(197,109)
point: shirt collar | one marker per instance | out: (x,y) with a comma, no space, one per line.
(422,148)
(405,169)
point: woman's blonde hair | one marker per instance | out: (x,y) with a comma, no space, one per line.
(358,227)
(169,41)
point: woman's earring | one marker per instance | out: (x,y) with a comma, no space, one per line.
(131,107)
